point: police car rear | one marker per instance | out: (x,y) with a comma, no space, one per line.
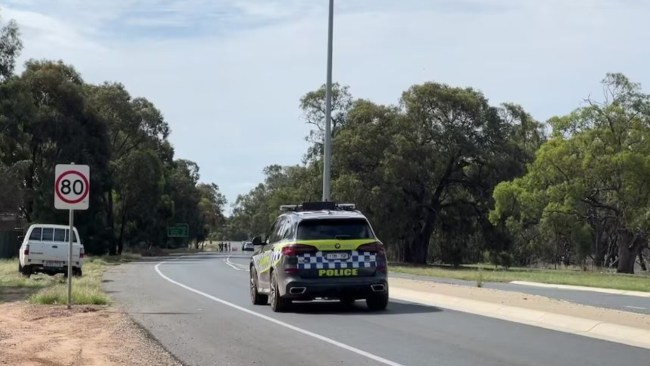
(329,253)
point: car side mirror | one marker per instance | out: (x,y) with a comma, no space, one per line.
(257,241)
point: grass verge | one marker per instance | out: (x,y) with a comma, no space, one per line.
(86,290)
(640,282)
(51,290)
(44,289)
(10,278)
(13,286)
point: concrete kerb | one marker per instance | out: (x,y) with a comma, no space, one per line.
(563,323)
(583,288)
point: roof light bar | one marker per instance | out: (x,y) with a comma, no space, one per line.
(289,207)
(319,206)
(347,206)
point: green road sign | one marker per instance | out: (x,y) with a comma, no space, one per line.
(178,231)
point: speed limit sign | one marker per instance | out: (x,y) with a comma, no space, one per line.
(71,187)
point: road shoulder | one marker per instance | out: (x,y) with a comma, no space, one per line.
(85,335)
(612,325)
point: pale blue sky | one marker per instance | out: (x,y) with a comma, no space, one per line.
(227,74)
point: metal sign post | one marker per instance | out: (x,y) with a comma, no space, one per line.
(71,192)
(70,236)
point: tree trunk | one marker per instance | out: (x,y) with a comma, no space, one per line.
(29,188)
(417,250)
(599,255)
(628,248)
(644,266)
(110,221)
(120,242)
(625,259)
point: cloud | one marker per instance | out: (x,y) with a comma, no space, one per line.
(49,32)
(228,74)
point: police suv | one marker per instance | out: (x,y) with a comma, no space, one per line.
(319,250)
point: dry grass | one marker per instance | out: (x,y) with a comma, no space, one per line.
(44,289)
(639,282)
(86,290)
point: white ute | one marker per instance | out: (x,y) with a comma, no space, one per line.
(45,250)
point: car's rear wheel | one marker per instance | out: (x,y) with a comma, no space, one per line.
(377,302)
(256,297)
(26,271)
(278,304)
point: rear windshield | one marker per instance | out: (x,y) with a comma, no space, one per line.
(334,229)
(50,234)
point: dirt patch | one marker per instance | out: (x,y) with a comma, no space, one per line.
(35,335)
(527,301)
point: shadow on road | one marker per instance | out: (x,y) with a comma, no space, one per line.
(359,308)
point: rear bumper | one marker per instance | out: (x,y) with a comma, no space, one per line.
(355,287)
(36,268)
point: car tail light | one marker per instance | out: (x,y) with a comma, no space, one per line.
(295,249)
(81,253)
(26,251)
(375,247)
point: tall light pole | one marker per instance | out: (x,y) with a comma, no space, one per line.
(327,159)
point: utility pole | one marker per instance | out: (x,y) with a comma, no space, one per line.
(327,158)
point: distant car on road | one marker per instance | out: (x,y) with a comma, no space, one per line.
(45,249)
(247,246)
(319,250)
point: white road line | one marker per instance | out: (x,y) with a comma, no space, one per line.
(236,265)
(280,323)
(635,307)
(227,261)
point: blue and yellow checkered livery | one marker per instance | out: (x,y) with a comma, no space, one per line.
(318,260)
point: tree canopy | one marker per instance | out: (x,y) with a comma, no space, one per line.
(49,115)
(444,176)
(586,195)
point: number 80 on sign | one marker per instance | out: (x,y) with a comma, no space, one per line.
(71,187)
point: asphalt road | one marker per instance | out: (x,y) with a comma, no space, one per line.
(198,308)
(612,301)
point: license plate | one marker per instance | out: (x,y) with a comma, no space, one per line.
(337,256)
(53,264)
